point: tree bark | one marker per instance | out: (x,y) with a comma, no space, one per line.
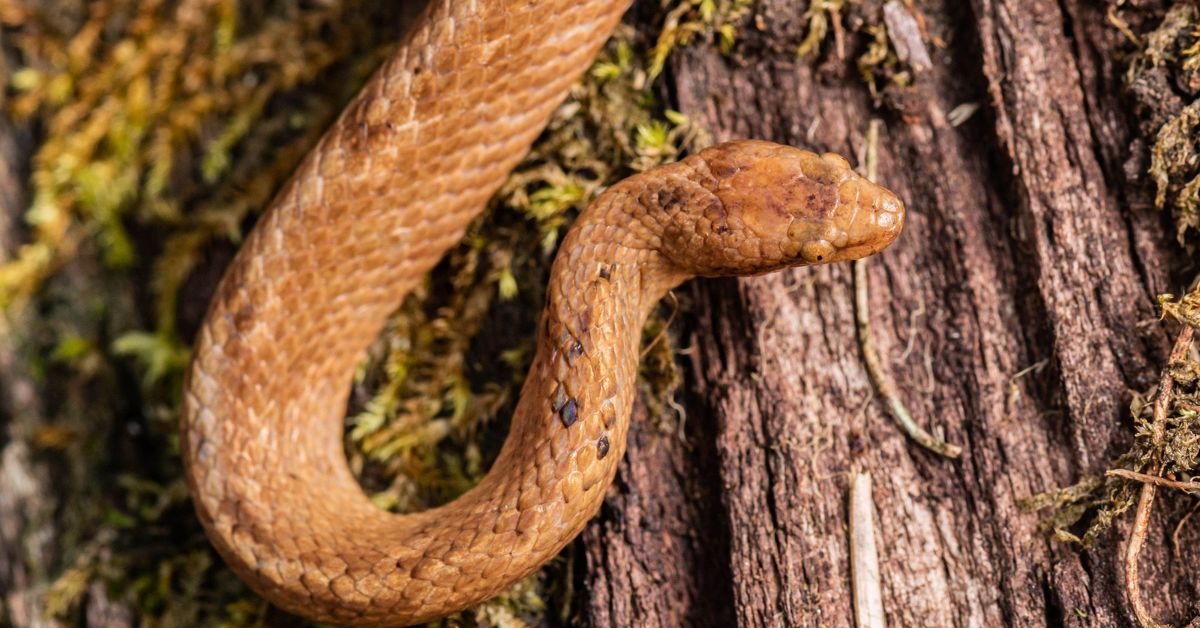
(1026,246)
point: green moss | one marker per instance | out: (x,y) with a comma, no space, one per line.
(1164,76)
(821,18)
(132,117)
(1175,167)
(687,20)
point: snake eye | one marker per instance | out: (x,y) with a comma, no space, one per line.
(816,251)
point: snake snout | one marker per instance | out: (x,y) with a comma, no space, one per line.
(873,222)
(767,206)
(849,219)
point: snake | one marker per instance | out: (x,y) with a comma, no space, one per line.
(391,185)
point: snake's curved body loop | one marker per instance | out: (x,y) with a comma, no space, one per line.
(389,188)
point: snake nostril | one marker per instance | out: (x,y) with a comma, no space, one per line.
(816,251)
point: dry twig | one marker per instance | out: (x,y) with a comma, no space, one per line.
(667,325)
(1137,536)
(1153,479)
(862,316)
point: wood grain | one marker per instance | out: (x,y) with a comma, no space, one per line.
(1015,314)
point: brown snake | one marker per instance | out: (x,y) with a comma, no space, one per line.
(389,188)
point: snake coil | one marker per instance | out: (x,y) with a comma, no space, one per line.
(387,190)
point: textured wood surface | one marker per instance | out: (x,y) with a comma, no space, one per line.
(1026,248)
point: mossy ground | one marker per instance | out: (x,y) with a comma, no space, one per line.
(159,132)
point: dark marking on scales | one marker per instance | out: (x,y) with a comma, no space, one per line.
(585,320)
(574,351)
(569,413)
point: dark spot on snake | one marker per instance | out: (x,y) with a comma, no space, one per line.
(602,447)
(673,204)
(390,126)
(723,169)
(575,350)
(569,413)
(242,318)
(723,229)
(605,273)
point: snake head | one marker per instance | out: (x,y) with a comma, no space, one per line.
(772,206)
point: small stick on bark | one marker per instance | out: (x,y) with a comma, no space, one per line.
(864,558)
(667,325)
(1141,521)
(1153,479)
(862,316)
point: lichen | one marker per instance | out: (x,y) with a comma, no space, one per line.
(164,129)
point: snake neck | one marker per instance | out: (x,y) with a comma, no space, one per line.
(569,428)
(616,247)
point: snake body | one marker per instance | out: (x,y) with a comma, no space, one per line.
(388,189)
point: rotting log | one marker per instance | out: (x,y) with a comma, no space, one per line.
(1016,313)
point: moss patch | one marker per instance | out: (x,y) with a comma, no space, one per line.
(1164,80)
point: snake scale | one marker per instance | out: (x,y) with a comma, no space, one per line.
(388,189)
